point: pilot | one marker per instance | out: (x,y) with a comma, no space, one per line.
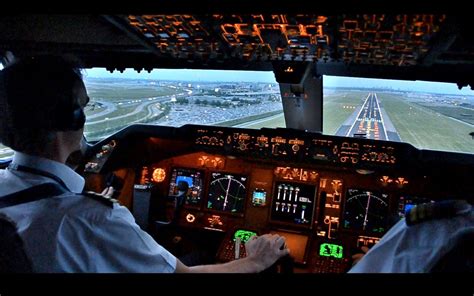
(180,199)
(433,237)
(183,188)
(63,229)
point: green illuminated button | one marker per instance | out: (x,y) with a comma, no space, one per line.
(244,235)
(330,250)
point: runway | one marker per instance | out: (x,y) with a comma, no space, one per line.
(369,121)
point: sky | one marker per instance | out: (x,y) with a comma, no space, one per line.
(268,76)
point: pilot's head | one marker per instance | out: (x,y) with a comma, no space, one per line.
(41,105)
(183,187)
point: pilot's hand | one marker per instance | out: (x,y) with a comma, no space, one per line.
(108,191)
(356,257)
(266,249)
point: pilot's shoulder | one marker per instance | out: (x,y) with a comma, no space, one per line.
(437,210)
(106,200)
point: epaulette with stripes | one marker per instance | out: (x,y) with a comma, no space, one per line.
(108,201)
(436,210)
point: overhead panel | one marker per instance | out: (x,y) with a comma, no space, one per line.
(399,40)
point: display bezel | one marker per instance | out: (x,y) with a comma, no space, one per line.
(245,183)
(173,193)
(360,230)
(311,209)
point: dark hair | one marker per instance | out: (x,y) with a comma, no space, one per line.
(35,94)
(183,186)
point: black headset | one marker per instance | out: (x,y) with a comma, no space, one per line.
(79,119)
(66,114)
(70,117)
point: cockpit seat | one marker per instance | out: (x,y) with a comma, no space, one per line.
(460,258)
(13,258)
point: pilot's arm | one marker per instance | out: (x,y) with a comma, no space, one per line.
(91,241)
(415,248)
(262,252)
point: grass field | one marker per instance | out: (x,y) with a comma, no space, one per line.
(271,123)
(336,109)
(100,130)
(417,125)
(89,111)
(461,113)
(421,124)
(235,122)
(118,92)
(118,112)
(425,128)
(117,122)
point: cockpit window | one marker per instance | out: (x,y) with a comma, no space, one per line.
(428,115)
(5,152)
(178,97)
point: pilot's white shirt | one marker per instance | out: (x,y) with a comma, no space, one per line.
(74,233)
(416,248)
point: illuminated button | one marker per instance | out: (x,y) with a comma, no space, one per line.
(91,165)
(158,175)
(190,218)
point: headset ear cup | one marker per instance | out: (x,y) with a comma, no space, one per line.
(79,119)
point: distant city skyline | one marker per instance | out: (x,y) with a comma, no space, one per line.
(192,75)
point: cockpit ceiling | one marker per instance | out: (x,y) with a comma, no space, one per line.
(435,47)
(400,40)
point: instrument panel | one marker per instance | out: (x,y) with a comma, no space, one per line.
(307,186)
(328,214)
(315,149)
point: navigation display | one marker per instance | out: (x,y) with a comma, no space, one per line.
(293,203)
(366,211)
(227,192)
(193,178)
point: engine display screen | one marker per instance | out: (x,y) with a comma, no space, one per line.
(227,192)
(193,178)
(293,203)
(259,197)
(366,211)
